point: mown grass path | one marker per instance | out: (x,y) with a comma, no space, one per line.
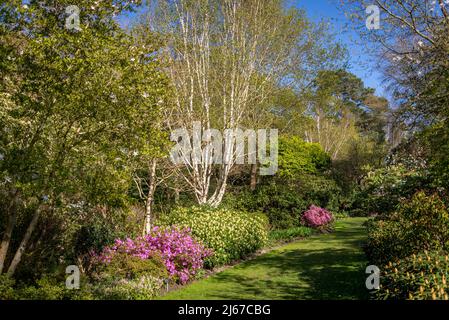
(326,266)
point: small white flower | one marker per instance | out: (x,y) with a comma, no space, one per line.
(2,156)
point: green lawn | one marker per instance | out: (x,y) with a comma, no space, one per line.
(327,266)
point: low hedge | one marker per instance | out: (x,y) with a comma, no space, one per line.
(229,233)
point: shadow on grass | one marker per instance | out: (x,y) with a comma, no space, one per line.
(323,274)
(329,266)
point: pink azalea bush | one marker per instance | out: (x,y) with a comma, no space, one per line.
(316,217)
(182,255)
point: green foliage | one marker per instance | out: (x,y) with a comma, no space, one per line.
(297,157)
(436,138)
(7,291)
(290,234)
(48,287)
(127,277)
(383,189)
(340,215)
(279,202)
(125,266)
(145,287)
(321,191)
(284,201)
(229,233)
(93,237)
(417,277)
(77,116)
(421,223)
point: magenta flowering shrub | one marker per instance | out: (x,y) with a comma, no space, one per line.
(316,217)
(182,255)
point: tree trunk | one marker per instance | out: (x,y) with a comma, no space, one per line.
(150,196)
(24,243)
(8,233)
(176,195)
(217,197)
(253,182)
(4,246)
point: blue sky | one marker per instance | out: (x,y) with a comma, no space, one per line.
(361,63)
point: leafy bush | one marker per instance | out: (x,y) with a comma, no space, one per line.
(7,291)
(122,265)
(46,289)
(49,287)
(182,255)
(290,234)
(383,189)
(284,201)
(93,237)
(419,276)
(321,191)
(297,157)
(340,215)
(421,223)
(144,287)
(279,202)
(316,217)
(230,234)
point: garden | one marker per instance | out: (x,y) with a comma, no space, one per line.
(223,149)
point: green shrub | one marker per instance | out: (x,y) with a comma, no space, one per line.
(340,215)
(144,287)
(7,291)
(283,202)
(321,191)
(52,287)
(297,157)
(421,276)
(383,189)
(230,234)
(421,223)
(46,289)
(127,277)
(126,266)
(290,234)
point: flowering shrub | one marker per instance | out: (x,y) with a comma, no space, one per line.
(231,234)
(182,255)
(417,277)
(316,217)
(420,223)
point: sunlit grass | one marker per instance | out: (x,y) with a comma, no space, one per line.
(326,266)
